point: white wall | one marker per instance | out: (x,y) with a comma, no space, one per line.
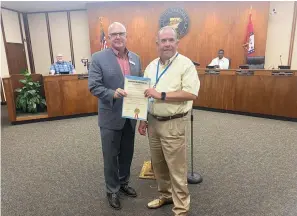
(80,38)
(60,34)
(279,34)
(12,35)
(60,39)
(294,56)
(39,42)
(11,26)
(4,66)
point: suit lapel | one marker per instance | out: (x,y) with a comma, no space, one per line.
(132,64)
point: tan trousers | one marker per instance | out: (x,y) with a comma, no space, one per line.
(168,153)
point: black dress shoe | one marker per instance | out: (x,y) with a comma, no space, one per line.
(114,201)
(128,191)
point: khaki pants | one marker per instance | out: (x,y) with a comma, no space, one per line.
(168,152)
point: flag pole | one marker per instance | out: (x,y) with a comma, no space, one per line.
(101,24)
(101,33)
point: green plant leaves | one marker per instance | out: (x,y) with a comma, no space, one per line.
(28,97)
(23,81)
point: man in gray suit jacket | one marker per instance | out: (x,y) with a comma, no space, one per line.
(106,81)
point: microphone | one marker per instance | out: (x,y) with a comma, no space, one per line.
(280,57)
(196,63)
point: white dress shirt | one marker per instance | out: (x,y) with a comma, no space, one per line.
(223,63)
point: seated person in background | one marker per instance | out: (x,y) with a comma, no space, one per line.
(220,62)
(61,66)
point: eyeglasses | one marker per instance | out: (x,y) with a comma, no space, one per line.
(120,34)
(170,40)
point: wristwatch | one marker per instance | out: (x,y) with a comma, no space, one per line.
(163,95)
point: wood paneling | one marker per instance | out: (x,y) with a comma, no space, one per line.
(70,38)
(213,25)
(79,101)
(261,93)
(10,84)
(65,95)
(68,95)
(271,95)
(3,101)
(29,45)
(16,58)
(9,99)
(53,96)
(218,92)
(49,37)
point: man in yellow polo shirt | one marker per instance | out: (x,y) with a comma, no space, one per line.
(175,84)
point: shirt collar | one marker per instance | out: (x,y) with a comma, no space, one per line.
(116,52)
(167,62)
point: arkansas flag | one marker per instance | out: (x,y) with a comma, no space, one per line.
(250,37)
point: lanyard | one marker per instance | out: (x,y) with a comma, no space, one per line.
(157,74)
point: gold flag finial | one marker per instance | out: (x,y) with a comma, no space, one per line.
(101,21)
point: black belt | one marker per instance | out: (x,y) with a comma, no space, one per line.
(166,118)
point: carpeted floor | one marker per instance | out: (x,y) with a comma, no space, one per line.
(54,168)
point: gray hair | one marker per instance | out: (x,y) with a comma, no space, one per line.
(165,28)
(114,24)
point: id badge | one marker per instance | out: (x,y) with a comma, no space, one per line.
(151,100)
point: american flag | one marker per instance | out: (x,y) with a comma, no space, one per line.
(103,40)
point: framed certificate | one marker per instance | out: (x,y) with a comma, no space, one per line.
(135,104)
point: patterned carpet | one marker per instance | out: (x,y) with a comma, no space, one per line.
(54,168)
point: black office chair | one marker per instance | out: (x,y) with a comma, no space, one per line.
(255,62)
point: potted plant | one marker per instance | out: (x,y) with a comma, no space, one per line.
(29,99)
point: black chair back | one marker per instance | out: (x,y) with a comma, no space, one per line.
(255,62)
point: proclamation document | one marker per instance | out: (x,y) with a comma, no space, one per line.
(135,105)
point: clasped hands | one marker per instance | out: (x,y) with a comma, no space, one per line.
(151,93)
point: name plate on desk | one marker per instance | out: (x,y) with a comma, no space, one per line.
(245,73)
(83,76)
(282,73)
(212,71)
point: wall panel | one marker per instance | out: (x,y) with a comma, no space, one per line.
(213,25)
(39,40)
(60,34)
(80,38)
(294,56)
(279,34)
(4,66)
(11,26)
(25,44)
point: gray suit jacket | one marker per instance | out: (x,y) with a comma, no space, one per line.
(105,76)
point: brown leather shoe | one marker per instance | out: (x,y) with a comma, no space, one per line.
(157,203)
